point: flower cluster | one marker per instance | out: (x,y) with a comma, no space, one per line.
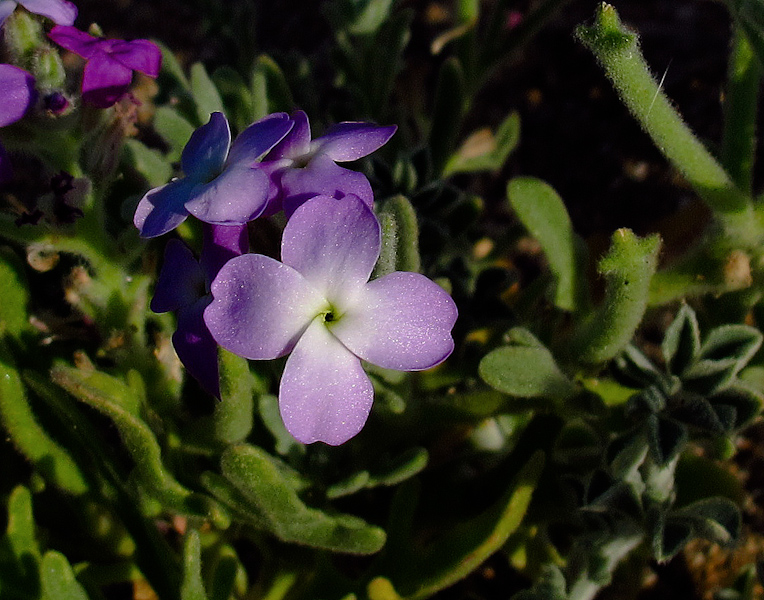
(317,304)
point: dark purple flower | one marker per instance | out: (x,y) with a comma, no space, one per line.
(319,305)
(60,12)
(301,168)
(221,185)
(183,286)
(110,63)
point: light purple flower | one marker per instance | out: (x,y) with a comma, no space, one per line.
(17,94)
(301,168)
(183,287)
(60,12)
(319,305)
(221,184)
(110,63)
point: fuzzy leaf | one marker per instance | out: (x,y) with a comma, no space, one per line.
(270,90)
(640,371)
(484,150)
(233,417)
(57,578)
(681,344)
(526,372)
(268,407)
(174,129)
(205,94)
(550,586)
(192,587)
(458,552)
(626,453)
(400,237)
(256,476)
(731,342)
(716,519)
(544,215)
(17,418)
(666,438)
(150,163)
(745,404)
(669,536)
(400,469)
(112,398)
(627,268)
(695,410)
(13,309)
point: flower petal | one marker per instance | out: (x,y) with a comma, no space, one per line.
(297,141)
(181,280)
(259,138)
(104,80)
(334,244)
(351,140)
(75,40)
(325,395)
(322,176)
(162,209)
(18,93)
(196,347)
(236,196)
(260,307)
(6,8)
(206,150)
(138,55)
(221,243)
(401,321)
(60,12)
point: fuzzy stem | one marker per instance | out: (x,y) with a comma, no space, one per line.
(617,50)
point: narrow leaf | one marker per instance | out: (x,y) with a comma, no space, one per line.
(13,309)
(57,578)
(192,587)
(205,94)
(681,342)
(544,215)
(484,150)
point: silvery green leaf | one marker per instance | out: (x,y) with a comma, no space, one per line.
(681,343)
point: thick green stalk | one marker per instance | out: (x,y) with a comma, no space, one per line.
(617,50)
(740,110)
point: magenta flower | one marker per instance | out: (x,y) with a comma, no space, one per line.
(301,168)
(17,94)
(110,63)
(221,185)
(319,305)
(183,287)
(60,12)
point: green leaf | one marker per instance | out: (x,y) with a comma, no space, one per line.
(462,549)
(236,96)
(268,407)
(52,461)
(20,531)
(400,469)
(627,268)
(269,88)
(484,150)
(400,238)
(716,519)
(526,372)
(256,476)
(362,17)
(172,67)
(550,586)
(681,343)
(148,162)
(447,112)
(694,409)
(749,14)
(738,342)
(669,536)
(114,399)
(14,319)
(205,94)
(544,215)
(626,453)
(58,581)
(192,587)
(666,438)
(174,129)
(744,404)
(577,443)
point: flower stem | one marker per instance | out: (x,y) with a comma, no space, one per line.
(617,50)
(740,110)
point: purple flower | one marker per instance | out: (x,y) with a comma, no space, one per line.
(221,185)
(301,168)
(60,12)
(17,94)
(183,286)
(319,305)
(110,63)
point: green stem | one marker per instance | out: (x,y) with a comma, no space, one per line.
(617,50)
(740,111)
